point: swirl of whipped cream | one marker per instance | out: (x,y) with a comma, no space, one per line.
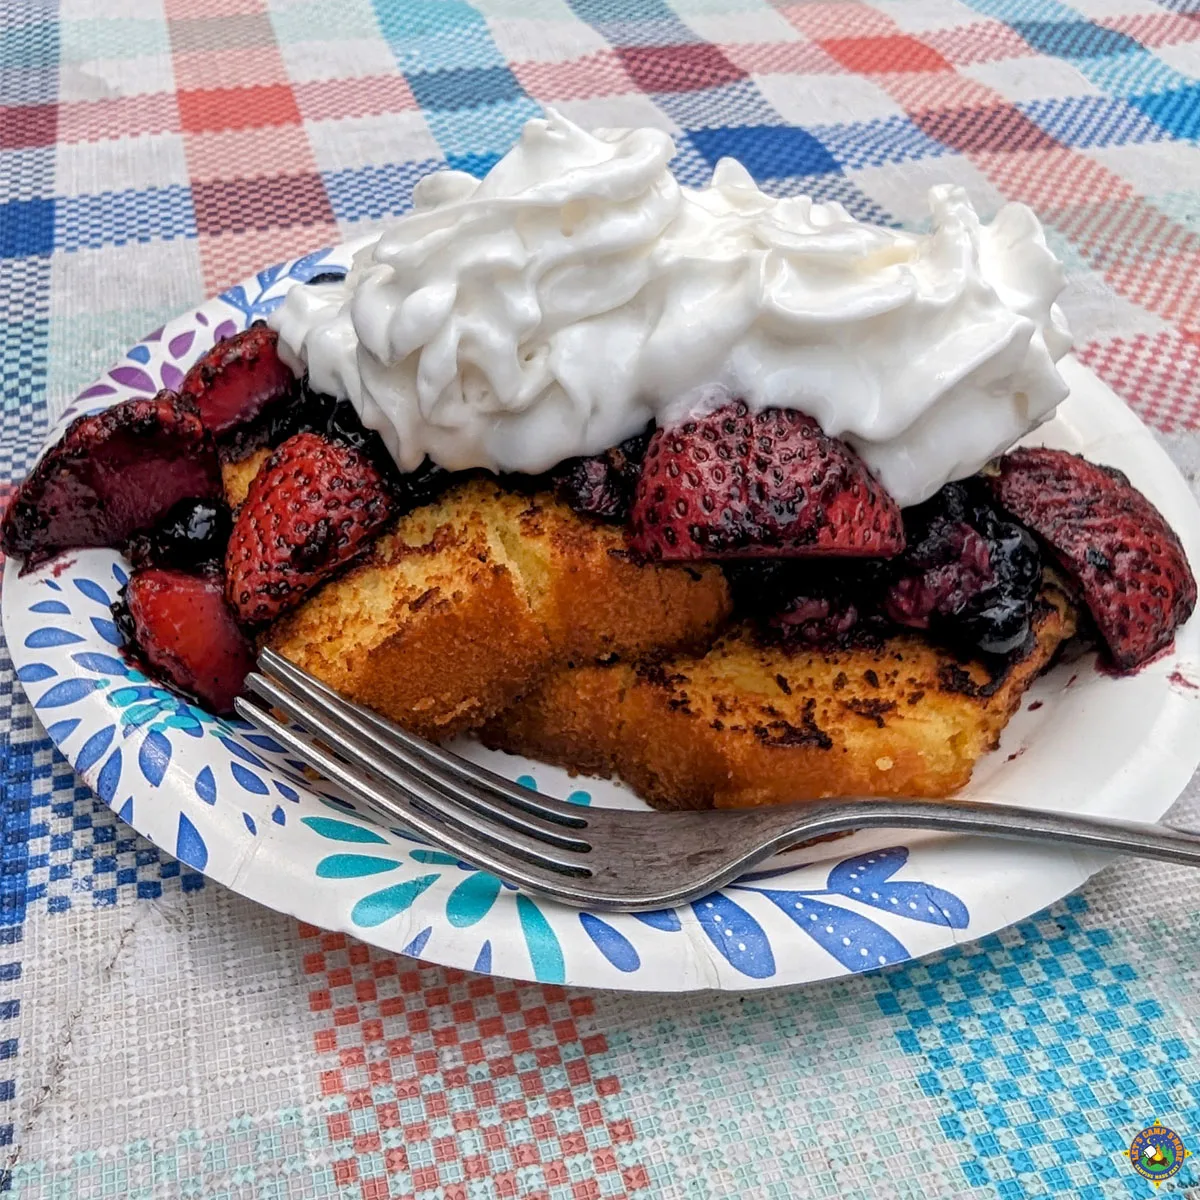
(578,291)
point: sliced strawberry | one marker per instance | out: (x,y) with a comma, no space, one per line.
(183,627)
(735,485)
(112,474)
(311,508)
(238,379)
(1128,562)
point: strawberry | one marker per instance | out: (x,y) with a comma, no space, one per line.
(238,379)
(733,485)
(181,625)
(311,508)
(110,475)
(1128,562)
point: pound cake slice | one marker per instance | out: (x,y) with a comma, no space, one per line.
(748,723)
(471,600)
(237,476)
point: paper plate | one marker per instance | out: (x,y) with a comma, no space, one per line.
(230,802)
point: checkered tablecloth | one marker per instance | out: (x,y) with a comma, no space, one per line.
(159,1036)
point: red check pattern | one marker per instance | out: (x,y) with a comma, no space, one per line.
(244,119)
(421,1057)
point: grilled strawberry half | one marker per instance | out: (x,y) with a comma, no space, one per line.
(312,507)
(733,485)
(112,474)
(182,627)
(1127,560)
(238,379)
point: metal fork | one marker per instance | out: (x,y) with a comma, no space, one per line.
(608,858)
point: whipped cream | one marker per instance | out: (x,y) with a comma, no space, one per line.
(554,307)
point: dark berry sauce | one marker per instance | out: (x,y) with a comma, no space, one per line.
(967,577)
(315,412)
(192,534)
(967,574)
(602,486)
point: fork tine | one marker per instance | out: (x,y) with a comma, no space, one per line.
(415,753)
(310,709)
(458,832)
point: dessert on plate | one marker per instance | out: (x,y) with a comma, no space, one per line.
(709,491)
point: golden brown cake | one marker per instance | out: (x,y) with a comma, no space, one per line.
(507,613)
(473,599)
(236,477)
(748,723)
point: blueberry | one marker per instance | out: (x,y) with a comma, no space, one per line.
(998,619)
(603,485)
(1015,557)
(968,575)
(995,622)
(192,534)
(123,619)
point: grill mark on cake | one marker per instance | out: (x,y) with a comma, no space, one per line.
(870,709)
(783,733)
(655,674)
(958,681)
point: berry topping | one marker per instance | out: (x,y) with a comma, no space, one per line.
(181,626)
(950,567)
(313,507)
(812,602)
(193,533)
(1128,562)
(337,421)
(967,577)
(998,618)
(603,485)
(818,620)
(238,379)
(738,485)
(411,489)
(966,574)
(111,474)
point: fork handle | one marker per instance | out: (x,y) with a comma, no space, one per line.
(1138,838)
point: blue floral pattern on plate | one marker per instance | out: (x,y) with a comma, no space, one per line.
(852,938)
(386,874)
